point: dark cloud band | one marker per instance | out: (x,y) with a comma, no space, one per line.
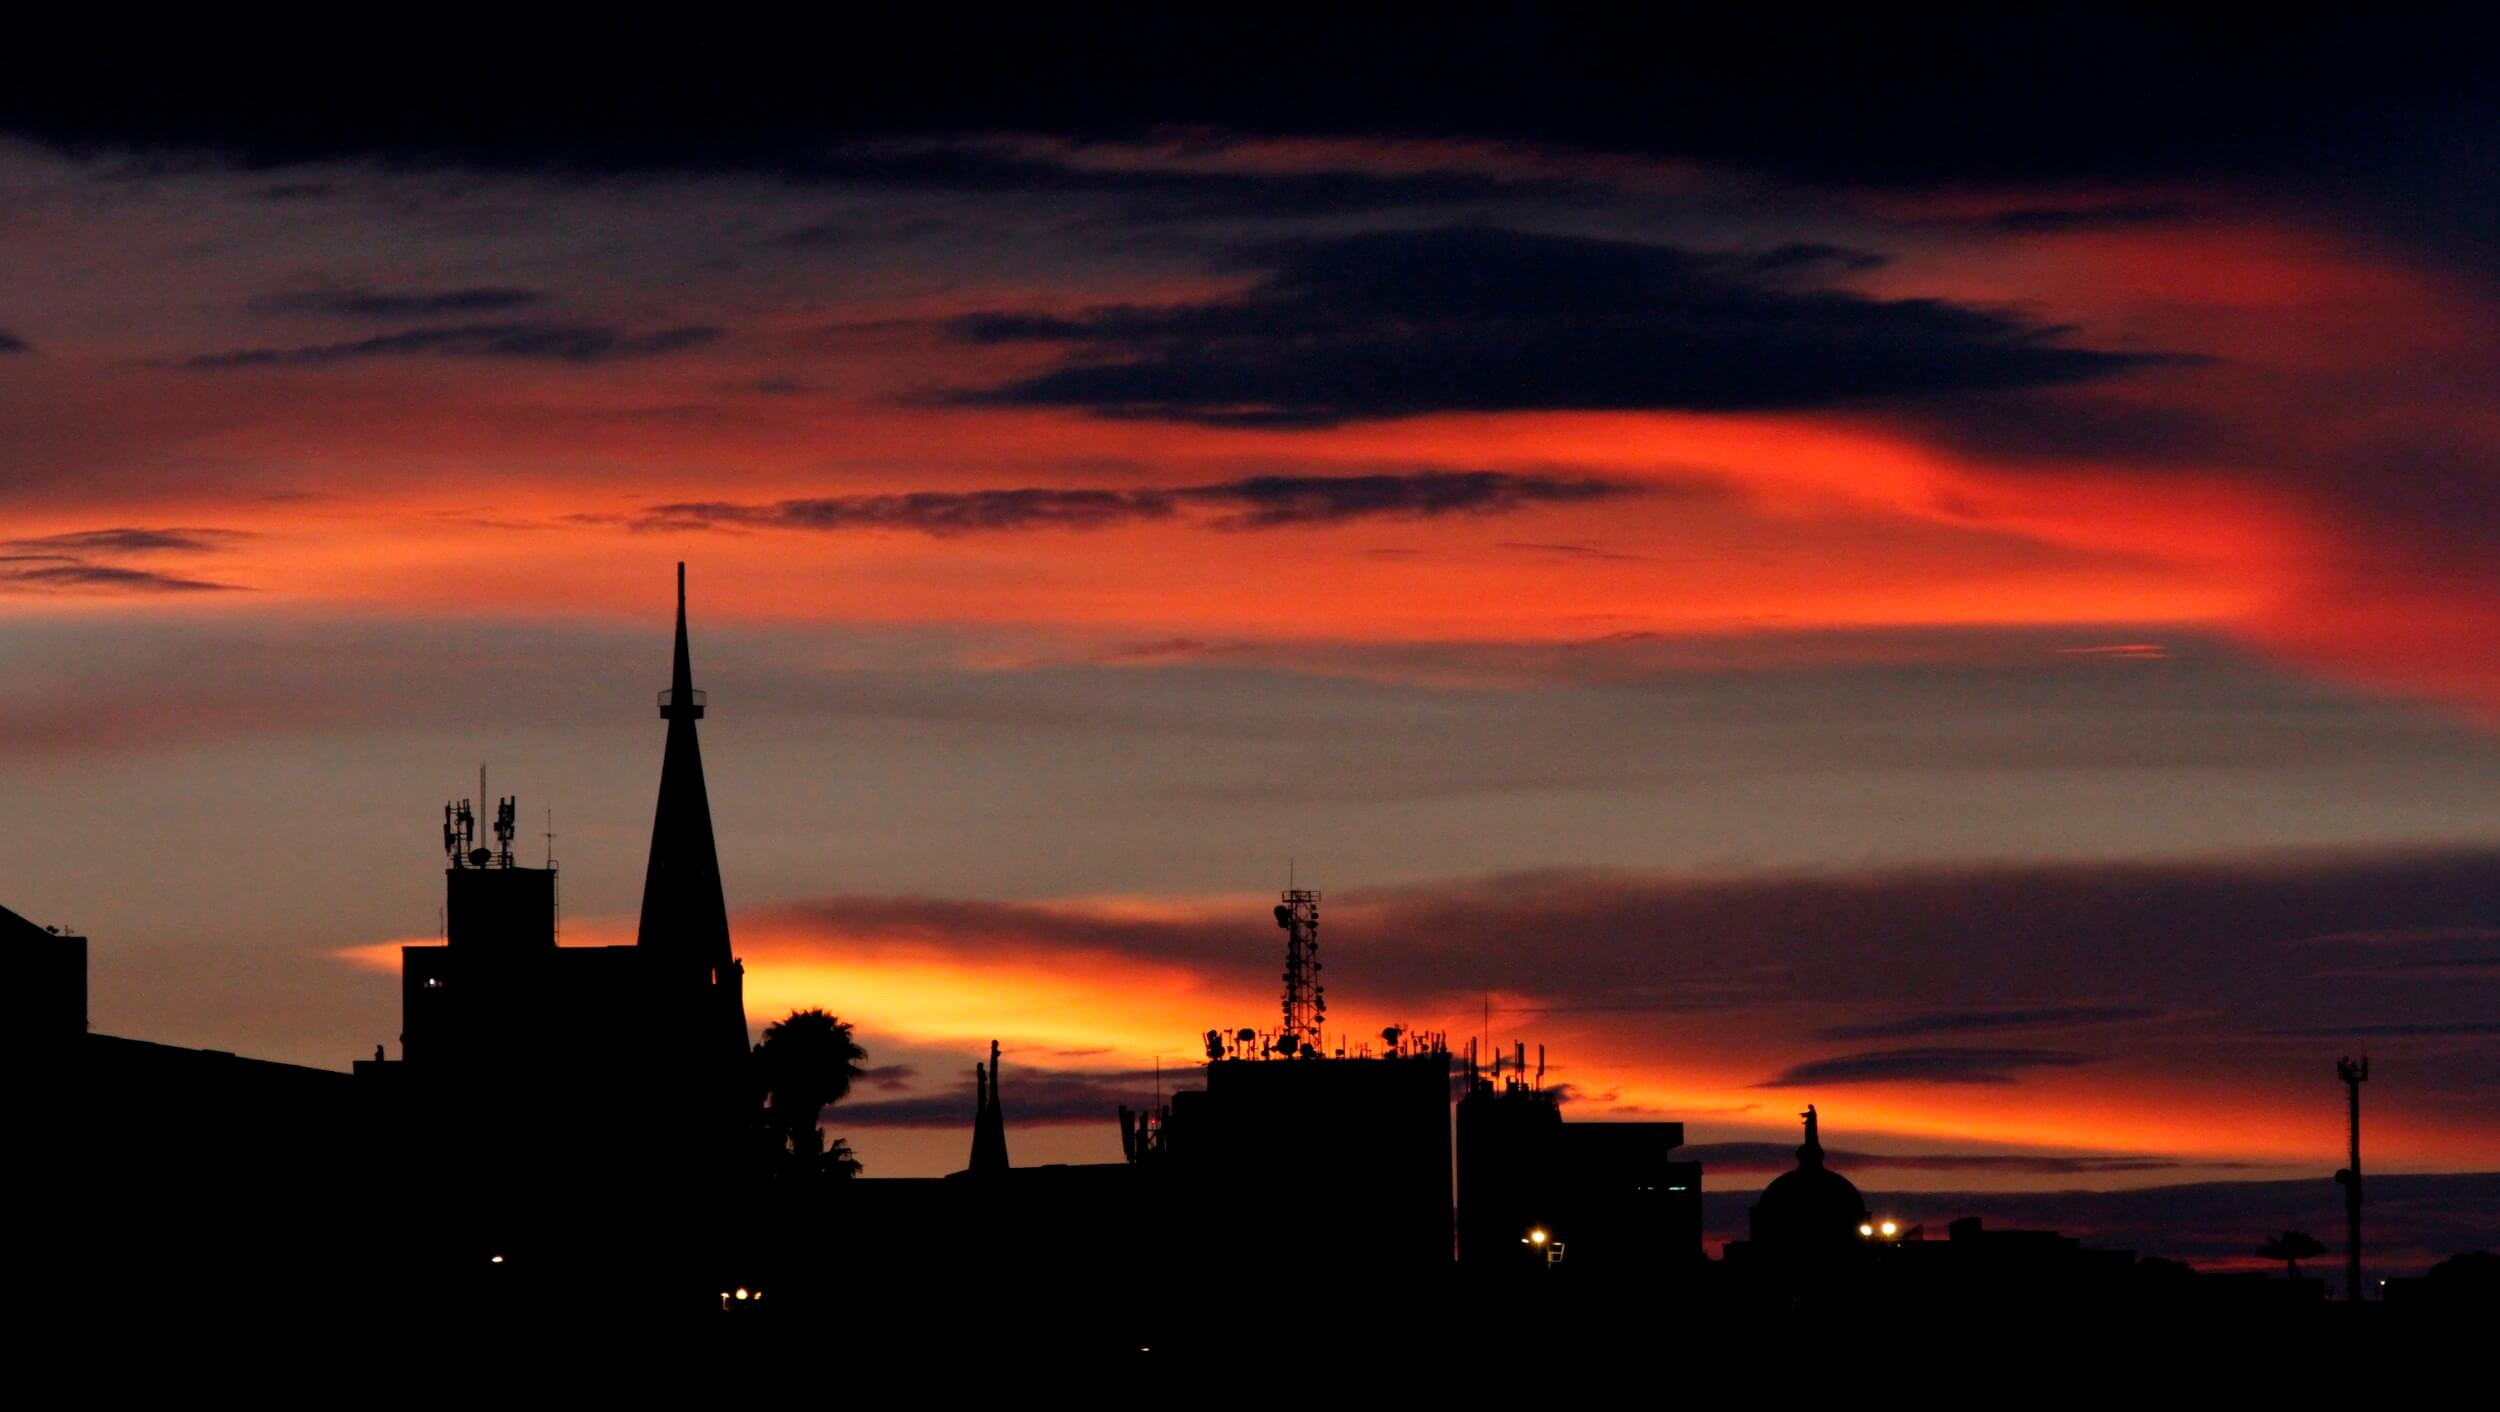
(99,578)
(1251,503)
(1926,1065)
(1405,323)
(1976,1021)
(129,540)
(530,341)
(400,304)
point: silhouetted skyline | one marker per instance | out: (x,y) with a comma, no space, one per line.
(1934,568)
(458,1177)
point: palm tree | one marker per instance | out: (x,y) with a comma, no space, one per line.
(806,1064)
(2291,1247)
(838,1160)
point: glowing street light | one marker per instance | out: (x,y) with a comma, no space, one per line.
(1866,1230)
(1891,1229)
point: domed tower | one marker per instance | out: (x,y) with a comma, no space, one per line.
(1812,1210)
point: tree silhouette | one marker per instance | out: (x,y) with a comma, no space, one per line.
(2291,1247)
(806,1064)
(839,1161)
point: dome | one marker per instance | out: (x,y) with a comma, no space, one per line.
(1811,1206)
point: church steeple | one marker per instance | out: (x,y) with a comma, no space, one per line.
(989,1121)
(683,911)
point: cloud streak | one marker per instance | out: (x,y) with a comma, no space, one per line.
(25,574)
(520,340)
(1250,503)
(1977,1021)
(1927,1065)
(129,540)
(1150,190)
(365,303)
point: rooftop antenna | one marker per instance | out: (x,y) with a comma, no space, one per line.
(459,833)
(505,808)
(2354,1073)
(1306,1000)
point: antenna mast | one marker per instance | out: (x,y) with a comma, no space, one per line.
(1306,1000)
(504,829)
(2354,1073)
(459,833)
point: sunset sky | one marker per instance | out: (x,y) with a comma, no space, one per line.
(1941,570)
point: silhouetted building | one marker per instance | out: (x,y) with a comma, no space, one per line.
(1582,1199)
(156,1181)
(1812,1213)
(510,1042)
(2468,1283)
(46,998)
(1347,1156)
(1808,1235)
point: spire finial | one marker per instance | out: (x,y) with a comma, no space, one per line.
(682,698)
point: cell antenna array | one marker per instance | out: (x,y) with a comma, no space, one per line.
(1306,999)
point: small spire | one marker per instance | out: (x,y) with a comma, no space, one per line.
(989,1120)
(681,693)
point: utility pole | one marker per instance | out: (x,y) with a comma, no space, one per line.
(2354,1073)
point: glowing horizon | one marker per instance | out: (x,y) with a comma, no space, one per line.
(1999,644)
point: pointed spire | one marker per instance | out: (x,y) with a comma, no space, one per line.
(682,698)
(683,910)
(1810,1155)
(989,1120)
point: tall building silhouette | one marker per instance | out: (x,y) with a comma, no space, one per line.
(504,1032)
